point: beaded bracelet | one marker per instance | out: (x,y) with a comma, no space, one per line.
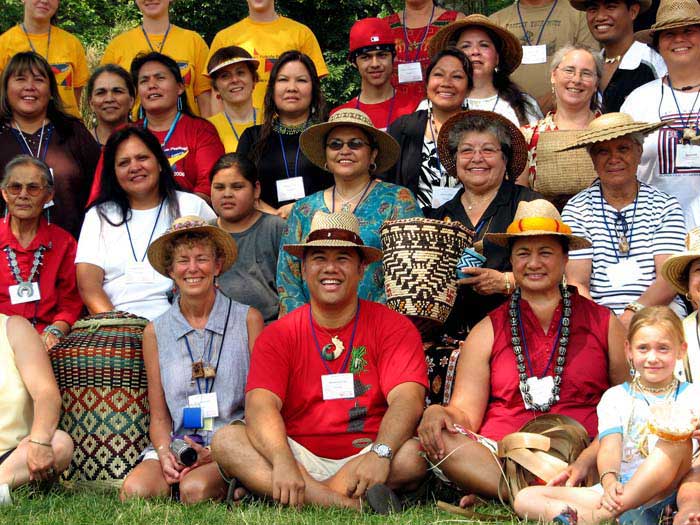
(611,471)
(54,330)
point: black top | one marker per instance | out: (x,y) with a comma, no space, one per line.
(271,165)
(409,132)
(470,307)
(622,83)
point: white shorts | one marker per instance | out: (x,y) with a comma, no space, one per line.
(320,468)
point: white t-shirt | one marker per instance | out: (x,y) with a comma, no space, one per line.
(109,248)
(692,337)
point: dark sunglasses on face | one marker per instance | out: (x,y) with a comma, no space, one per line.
(353,144)
(33,189)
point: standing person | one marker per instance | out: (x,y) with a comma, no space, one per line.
(59,48)
(111,96)
(543,26)
(233,74)
(266,35)
(157,34)
(413,27)
(372,53)
(628,63)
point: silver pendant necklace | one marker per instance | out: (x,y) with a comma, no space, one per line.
(25,287)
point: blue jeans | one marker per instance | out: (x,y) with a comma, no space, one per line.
(647,514)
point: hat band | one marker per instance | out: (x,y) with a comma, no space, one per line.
(373,47)
(538,224)
(335,234)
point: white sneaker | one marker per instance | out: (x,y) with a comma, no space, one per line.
(5,498)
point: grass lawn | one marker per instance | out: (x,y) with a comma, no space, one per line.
(103,508)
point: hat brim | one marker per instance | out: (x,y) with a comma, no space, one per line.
(369,254)
(237,60)
(586,138)
(674,270)
(511,50)
(312,142)
(580,5)
(501,239)
(223,240)
(646,36)
(518,158)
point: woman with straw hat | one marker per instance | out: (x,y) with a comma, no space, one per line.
(197,356)
(494,53)
(632,227)
(353,151)
(507,376)
(670,160)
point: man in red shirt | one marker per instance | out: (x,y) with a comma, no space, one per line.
(372,52)
(335,389)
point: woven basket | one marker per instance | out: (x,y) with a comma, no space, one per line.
(562,172)
(100,373)
(420,256)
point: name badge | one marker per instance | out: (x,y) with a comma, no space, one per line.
(338,386)
(442,194)
(534,54)
(687,156)
(623,273)
(24,293)
(410,72)
(540,390)
(290,189)
(209,404)
(139,272)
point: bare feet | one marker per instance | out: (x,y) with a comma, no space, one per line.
(470,499)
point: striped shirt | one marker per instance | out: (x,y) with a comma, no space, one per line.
(656,227)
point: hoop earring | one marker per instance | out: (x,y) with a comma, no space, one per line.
(179,103)
(372,167)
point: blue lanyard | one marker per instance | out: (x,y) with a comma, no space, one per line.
(284,157)
(349,350)
(408,42)
(40,154)
(148,40)
(680,113)
(391,107)
(544,24)
(607,227)
(206,379)
(230,123)
(128,232)
(527,352)
(48,41)
(170,131)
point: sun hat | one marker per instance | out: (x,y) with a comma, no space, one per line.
(313,139)
(611,126)
(370,34)
(518,158)
(675,267)
(538,217)
(670,15)
(510,50)
(580,5)
(255,63)
(335,230)
(191,224)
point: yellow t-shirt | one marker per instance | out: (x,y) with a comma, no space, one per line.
(66,56)
(266,41)
(186,47)
(227,134)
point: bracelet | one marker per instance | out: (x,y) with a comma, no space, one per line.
(35,442)
(635,306)
(508,285)
(611,471)
(53,330)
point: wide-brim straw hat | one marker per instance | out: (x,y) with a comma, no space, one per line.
(538,217)
(254,62)
(313,139)
(335,230)
(675,268)
(580,5)
(518,158)
(611,126)
(671,15)
(157,251)
(510,50)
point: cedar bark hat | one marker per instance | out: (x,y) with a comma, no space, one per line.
(671,14)
(675,267)
(611,126)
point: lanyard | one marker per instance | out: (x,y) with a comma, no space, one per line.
(48,41)
(40,154)
(420,43)
(148,40)
(607,227)
(441,169)
(544,24)
(206,379)
(527,352)
(391,107)
(680,113)
(352,340)
(128,232)
(170,131)
(284,157)
(230,123)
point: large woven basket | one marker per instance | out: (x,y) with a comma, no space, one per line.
(562,172)
(100,373)
(420,257)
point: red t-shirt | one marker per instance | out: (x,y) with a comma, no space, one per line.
(387,351)
(585,376)
(384,113)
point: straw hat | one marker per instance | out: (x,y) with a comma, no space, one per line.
(191,224)
(255,63)
(313,140)
(510,51)
(580,5)
(518,158)
(670,15)
(611,126)
(335,230)
(675,267)
(538,217)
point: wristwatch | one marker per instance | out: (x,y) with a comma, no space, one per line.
(382,450)
(635,306)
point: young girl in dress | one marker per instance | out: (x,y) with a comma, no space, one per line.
(639,472)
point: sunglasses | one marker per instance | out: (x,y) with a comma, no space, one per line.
(33,189)
(353,144)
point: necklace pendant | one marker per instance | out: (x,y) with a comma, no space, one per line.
(197,370)
(333,349)
(25,289)
(345,207)
(623,244)
(209,372)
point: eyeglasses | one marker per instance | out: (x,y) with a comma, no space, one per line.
(570,72)
(32,188)
(353,144)
(488,152)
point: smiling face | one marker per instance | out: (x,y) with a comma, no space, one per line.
(375,67)
(158,88)
(40,10)
(137,170)
(616,161)
(235,84)
(479,48)
(447,84)
(24,180)
(347,163)
(293,89)
(332,275)
(153,8)
(680,47)
(575,79)
(232,195)
(194,267)
(110,99)
(481,165)
(611,20)
(538,263)
(28,93)
(653,352)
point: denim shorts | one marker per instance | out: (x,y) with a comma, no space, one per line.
(647,514)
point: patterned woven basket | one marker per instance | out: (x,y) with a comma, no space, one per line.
(100,373)
(562,172)
(420,257)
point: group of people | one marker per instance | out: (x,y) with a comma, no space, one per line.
(213,196)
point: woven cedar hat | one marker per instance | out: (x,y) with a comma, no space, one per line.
(334,230)
(518,158)
(420,256)
(611,126)
(670,15)
(191,224)
(313,139)
(538,217)
(675,267)
(581,5)
(510,51)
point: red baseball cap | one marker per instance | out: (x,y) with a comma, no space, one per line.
(370,34)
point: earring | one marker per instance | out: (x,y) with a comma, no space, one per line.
(48,215)
(495,69)
(325,166)
(553,92)
(141,113)
(633,371)
(179,103)
(372,167)
(4,219)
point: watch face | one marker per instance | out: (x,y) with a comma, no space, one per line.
(382,450)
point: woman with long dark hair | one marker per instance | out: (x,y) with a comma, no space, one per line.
(111,95)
